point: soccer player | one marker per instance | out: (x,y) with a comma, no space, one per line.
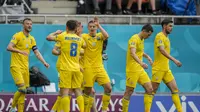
(19,47)
(70,75)
(93,65)
(160,68)
(135,72)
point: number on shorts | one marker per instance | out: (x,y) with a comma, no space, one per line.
(73,49)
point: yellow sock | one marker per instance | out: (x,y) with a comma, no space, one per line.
(15,99)
(125,104)
(176,100)
(80,102)
(86,103)
(21,102)
(147,102)
(56,104)
(65,104)
(91,100)
(106,101)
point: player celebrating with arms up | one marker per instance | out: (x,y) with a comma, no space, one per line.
(93,65)
(160,69)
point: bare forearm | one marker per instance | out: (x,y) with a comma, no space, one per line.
(13,50)
(167,55)
(51,36)
(40,57)
(135,57)
(146,55)
(55,52)
(105,34)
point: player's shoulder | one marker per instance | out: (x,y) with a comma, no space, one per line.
(18,34)
(85,35)
(134,37)
(159,35)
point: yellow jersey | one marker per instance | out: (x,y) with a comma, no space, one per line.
(23,43)
(161,63)
(138,44)
(93,51)
(70,46)
(57,44)
(82,59)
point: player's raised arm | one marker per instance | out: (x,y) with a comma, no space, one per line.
(164,52)
(56,51)
(52,36)
(148,58)
(135,57)
(104,33)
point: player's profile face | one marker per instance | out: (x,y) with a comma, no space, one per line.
(27,25)
(147,34)
(168,28)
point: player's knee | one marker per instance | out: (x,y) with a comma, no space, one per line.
(108,89)
(87,90)
(149,90)
(175,90)
(155,88)
(22,88)
(129,92)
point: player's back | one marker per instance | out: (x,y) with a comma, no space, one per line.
(70,51)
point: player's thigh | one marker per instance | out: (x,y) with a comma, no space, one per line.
(132,79)
(26,77)
(145,81)
(168,77)
(65,79)
(143,78)
(77,79)
(101,76)
(17,75)
(88,76)
(157,76)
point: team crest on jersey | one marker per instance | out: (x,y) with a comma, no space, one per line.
(93,43)
(132,43)
(160,41)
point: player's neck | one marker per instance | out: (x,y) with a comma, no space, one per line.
(140,35)
(165,33)
(25,33)
(71,32)
(92,34)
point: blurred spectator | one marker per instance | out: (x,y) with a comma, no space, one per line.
(153,7)
(97,9)
(198,6)
(127,10)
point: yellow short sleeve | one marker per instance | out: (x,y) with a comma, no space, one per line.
(59,37)
(15,39)
(159,41)
(57,44)
(33,42)
(132,43)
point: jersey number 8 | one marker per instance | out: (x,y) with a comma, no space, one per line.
(73,49)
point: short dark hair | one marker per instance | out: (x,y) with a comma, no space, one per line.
(147,28)
(166,22)
(29,19)
(71,25)
(91,21)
